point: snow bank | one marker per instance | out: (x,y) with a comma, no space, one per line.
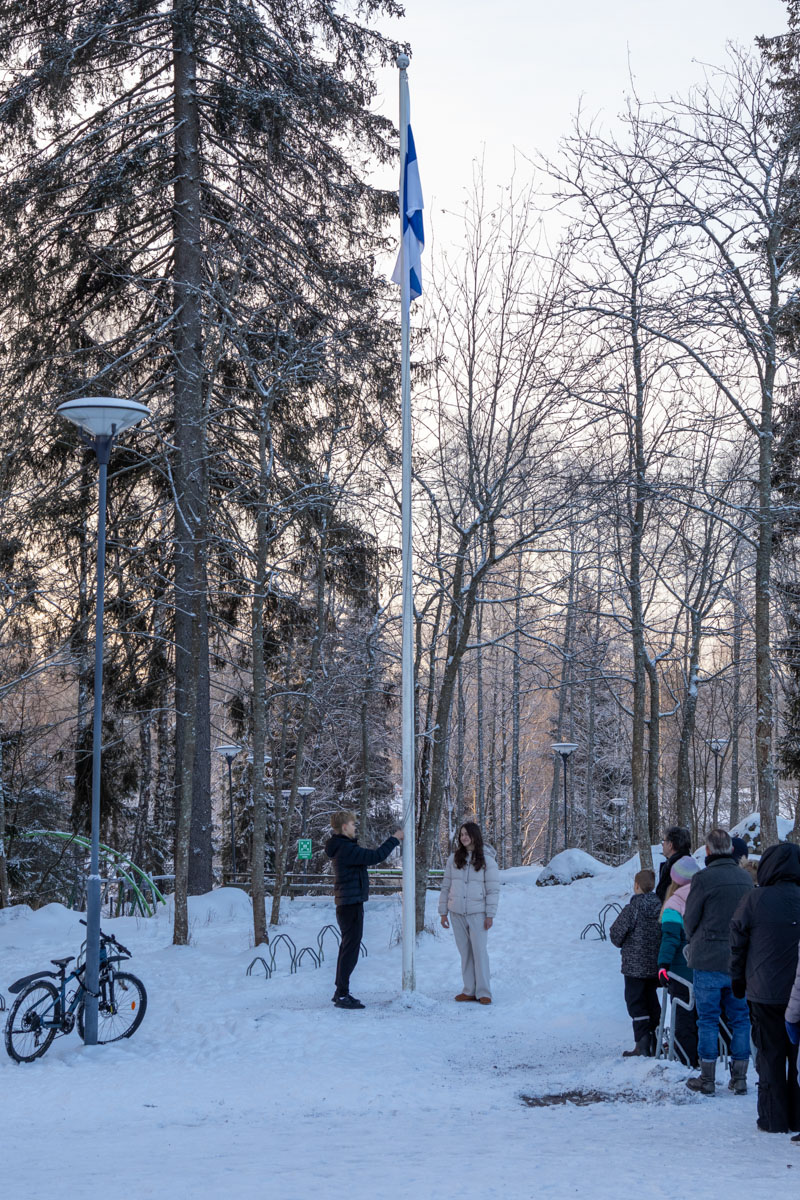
(749,829)
(570,865)
(524,876)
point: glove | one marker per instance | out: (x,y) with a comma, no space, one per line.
(663,977)
(739,988)
(793,1032)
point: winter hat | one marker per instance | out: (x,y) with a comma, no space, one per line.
(739,847)
(683,870)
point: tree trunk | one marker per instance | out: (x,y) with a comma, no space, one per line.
(516,790)
(3,858)
(258,846)
(556,788)
(736,701)
(282,849)
(654,746)
(767,790)
(192,722)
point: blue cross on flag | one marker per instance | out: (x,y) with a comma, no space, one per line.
(411,205)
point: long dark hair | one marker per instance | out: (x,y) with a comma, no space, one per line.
(461,852)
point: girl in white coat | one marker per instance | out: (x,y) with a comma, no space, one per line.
(469,896)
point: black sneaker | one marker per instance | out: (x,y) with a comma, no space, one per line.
(347,1002)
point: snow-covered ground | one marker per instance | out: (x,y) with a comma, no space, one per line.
(238,1088)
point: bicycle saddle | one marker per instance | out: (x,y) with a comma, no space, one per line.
(62,962)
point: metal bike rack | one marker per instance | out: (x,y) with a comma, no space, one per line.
(594,925)
(321,939)
(602,916)
(313,955)
(296,956)
(600,924)
(265,965)
(283,939)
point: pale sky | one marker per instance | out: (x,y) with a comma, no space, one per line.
(502,74)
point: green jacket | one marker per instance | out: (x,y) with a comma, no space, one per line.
(673,939)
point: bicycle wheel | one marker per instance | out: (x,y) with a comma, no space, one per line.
(120,1009)
(28,1029)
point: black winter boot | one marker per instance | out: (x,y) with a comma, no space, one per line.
(704,1082)
(738,1080)
(641,1049)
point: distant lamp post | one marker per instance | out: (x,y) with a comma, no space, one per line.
(229,754)
(305,792)
(101,419)
(717,746)
(565,749)
(617,803)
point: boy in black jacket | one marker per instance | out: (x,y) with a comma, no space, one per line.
(637,933)
(351,890)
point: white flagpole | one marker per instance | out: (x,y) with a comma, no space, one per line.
(409,806)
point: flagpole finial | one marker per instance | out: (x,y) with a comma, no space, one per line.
(402,61)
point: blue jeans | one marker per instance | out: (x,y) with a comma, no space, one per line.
(713,995)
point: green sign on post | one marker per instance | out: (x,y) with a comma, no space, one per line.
(304,848)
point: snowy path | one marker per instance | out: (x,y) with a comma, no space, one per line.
(249,1088)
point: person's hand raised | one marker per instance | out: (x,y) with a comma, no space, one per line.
(398,833)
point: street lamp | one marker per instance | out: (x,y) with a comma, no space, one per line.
(100,419)
(305,792)
(229,754)
(717,746)
(565,749)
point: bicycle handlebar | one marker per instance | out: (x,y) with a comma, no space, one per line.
(109,937)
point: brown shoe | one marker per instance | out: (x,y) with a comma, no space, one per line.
(464,996)
(485,1000)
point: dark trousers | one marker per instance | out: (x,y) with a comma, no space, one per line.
(641,1001)
(685,1026)
(350,919)
(776,1063)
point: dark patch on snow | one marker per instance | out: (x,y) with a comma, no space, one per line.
(580,1098)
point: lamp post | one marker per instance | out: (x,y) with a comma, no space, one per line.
(229,754)
(565,749)
(717,746)
(100,419)
(618,804)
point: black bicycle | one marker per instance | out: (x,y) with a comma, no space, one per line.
(44,1010)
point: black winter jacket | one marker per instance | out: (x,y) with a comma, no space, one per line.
(713,899)
(664,877)
(350,862)
(765,929)
(637,933)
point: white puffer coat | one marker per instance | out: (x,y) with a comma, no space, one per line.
(467,891)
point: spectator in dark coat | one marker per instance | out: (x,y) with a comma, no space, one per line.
(792,1016)
(765,932)
(713,898)
(637,933)
(740,850)
(677,844)
(351,891)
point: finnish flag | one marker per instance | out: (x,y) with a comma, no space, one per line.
(411,205)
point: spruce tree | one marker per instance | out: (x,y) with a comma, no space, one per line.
(185,219)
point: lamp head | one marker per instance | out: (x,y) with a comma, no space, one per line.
(103,416)
(228,752)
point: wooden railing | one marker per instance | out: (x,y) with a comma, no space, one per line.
(382,882)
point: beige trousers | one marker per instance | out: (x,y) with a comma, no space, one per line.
(471,939)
